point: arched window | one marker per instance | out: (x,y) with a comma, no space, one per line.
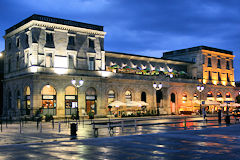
(18,100)
(195,96)
(173,98)
(219,95)
(184,97)
(27,100)
(228,95)
(128,96)
(143,97)
(91,98)
(210,94)
(111,96)
(49,102)
(9,100)
(71,100)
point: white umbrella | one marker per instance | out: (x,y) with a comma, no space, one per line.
(211,103)
(133,104)
(143,103)
(234,105)
(117,104)
(223,105)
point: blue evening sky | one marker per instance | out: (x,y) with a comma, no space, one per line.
(146,27)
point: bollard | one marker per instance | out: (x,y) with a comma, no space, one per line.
(122,125)
(40,127)
(20,127)
(135,124)
(185,123)
(73,129)
(59,127)
(1,125)
(6,122)
(52,123)
(83,121)
(37,124)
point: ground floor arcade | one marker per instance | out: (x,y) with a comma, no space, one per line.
(58,97)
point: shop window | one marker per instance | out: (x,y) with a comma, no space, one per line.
(111,96)
(71,100)
(209,62)
(18,100)
(143,97)
(27,100)
(49,102)
(91,98)
(195,96)
(184,98)
(128,96)
(219,63)
(173,98)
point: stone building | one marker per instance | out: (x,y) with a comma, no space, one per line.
(43,54)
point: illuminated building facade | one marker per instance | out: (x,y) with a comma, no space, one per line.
(43,55)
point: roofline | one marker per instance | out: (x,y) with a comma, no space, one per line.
(203,48)
(128,54)
(54,20)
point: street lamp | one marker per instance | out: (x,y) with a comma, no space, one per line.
(157,87)
(200,89)
(77,86)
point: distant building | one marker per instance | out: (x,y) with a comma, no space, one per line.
(1,81)
(43,54)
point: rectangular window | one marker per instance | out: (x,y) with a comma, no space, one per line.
(71,40)
(203,59)
(49,60)
(227,65)
(219,63)
(91,63)
(26,39)
(219,77)
(49,40)
(194,60)
(209,62)
(209,75)
(91,43)
(228,78)
(17,42)
(18,62)
(9,46)
(70,62)
(9,65)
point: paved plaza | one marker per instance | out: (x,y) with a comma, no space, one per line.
(147,142)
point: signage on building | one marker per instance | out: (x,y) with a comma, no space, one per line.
(48,97)
(90,97)
(70,97)
(229,101)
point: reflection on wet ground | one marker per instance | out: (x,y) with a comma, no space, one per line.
(161,141)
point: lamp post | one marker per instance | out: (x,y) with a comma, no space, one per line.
(77,86)
(200,88)
(157,87)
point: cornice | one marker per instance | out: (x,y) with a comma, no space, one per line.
(41,24)
(205,52)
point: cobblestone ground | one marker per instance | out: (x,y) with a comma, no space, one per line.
(209,143)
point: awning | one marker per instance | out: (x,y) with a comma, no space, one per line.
(117,104)
(212,103)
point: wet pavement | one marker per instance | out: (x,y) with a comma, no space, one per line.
(209,143)
(167,139)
